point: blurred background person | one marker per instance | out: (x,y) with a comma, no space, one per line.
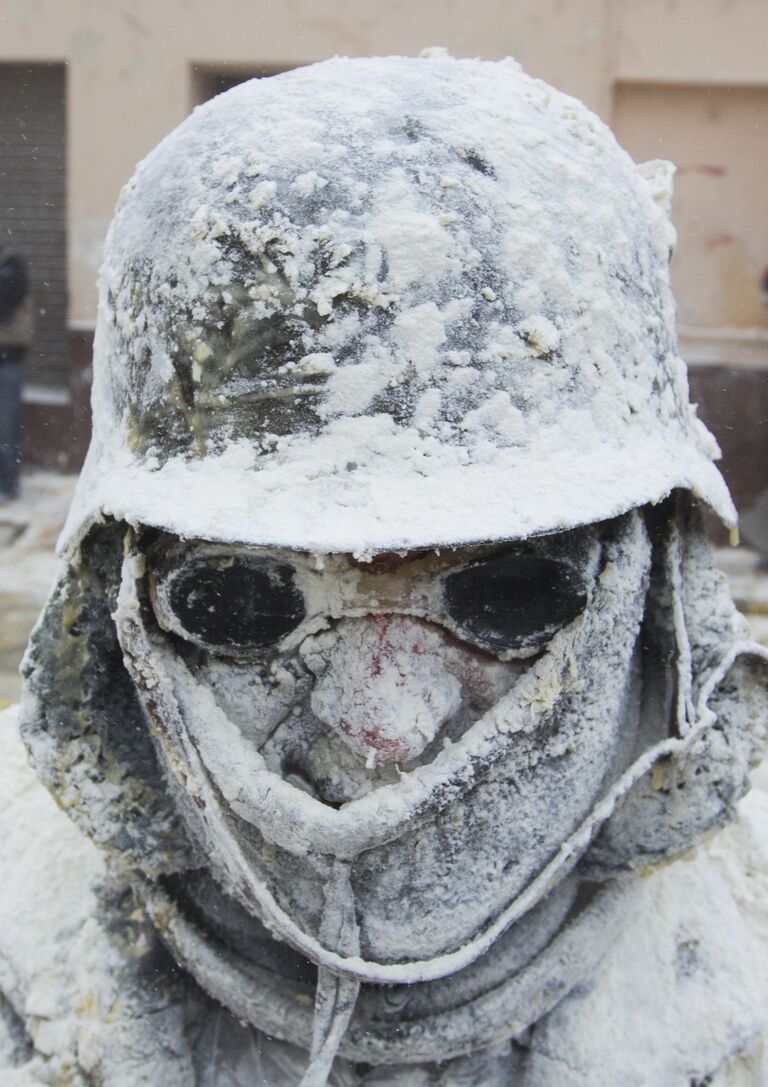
(15,336)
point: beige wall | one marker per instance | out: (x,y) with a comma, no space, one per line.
(718,138)
(131,69)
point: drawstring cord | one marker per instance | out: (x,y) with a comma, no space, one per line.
(685,711)
(336,996)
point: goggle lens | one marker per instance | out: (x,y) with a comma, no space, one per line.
(238,604)
(514,601)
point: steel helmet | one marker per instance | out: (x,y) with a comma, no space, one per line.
(376,304)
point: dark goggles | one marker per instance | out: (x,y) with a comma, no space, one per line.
(240,603)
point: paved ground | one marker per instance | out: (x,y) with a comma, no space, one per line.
(29,527)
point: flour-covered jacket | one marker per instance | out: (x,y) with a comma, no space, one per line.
(90,996)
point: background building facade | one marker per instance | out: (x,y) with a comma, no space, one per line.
(88,87)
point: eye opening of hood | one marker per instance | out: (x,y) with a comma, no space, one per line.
(508,599)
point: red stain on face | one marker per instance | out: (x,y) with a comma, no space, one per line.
(390,750)
(382,652)
(471,671)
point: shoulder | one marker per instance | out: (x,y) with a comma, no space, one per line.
(50,866)
(740,853)
(680,998)
(47,900)
(82,1002)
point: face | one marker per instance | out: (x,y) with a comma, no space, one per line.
(438,723)
(347,674)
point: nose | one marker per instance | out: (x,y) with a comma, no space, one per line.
(386,690)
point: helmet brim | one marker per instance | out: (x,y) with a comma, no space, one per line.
(317,499)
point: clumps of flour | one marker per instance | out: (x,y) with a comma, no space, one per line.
(541,334)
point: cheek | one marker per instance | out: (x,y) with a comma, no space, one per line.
(483,679)
(255,699)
